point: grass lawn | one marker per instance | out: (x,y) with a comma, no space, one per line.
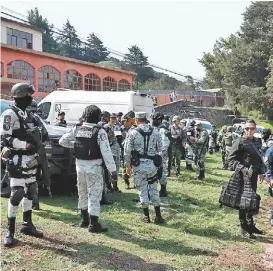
(198,234)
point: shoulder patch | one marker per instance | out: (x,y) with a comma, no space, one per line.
(103,137)
(7,119)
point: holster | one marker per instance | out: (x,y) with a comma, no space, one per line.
(135,158)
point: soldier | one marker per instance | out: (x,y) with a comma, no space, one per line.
(164,133)
(190,132)
(228,140)
(244,156)
(61,121)
(91,147)
(141,152)
(200,143)
(213,135)
(21,140)
(120,114)
(221,143)
(177,138)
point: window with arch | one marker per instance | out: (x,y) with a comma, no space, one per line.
(72,79)
(19,69)
(92,82)
(49,79)
(124,85)
(109,84)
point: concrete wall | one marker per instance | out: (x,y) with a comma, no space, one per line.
(215,116)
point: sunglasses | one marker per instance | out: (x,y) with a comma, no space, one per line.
(250,128)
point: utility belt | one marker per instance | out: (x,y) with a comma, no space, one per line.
(135,158)
(17,171)
(153,179)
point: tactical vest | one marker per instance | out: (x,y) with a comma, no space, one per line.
(228,139)
(24,133)
(86,144)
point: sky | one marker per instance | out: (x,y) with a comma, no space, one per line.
(173,34)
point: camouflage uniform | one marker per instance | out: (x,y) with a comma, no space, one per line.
(228,140)
(200,147)
(221,143)
(145,174)
(90,172)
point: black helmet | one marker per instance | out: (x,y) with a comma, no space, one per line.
(157,119)
(167,117)
(33,107)
(21,90)
(105,114)
(193,122)
(120,114)
(266,131)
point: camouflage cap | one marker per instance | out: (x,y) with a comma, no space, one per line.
(113,115)
(141,115)
(129,115)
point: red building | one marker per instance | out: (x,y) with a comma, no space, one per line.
(47,72)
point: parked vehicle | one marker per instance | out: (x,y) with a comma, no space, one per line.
(206,124)
(73,102)
(238,130)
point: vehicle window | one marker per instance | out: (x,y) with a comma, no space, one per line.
(207,126)
(258,130)
(44,110)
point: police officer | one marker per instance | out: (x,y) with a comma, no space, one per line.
(221,143)
(200,148)
(21,139)
(164,133)
(119,117)
(190,132)
(91,148)
(178,138)
(141,152)
(266,139)
(61,121)
(228,140)
(244,156)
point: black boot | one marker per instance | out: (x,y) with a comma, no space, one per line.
(115,187)
(246,234)
(201,175)
(190,168)
(27,227)
(85,219)
(136,199)
(158,217)
(146,216)
(163,192)
(127,182)
(253,229)
(9,239)
(187,166)
(95,226)
(169,173)
(104,201)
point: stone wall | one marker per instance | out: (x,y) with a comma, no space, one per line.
(181,108)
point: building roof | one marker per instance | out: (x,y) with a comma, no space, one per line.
(179,92)
(64,58)
(22,24)
(212,90)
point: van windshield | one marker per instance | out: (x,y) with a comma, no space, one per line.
(44,110)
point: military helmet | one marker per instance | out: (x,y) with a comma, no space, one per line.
(120,114)
(230,129)
(21,90)
(175,118)
(167,117)
(157,116)
(193,122)
(105,114)
(266,131)
(33,107)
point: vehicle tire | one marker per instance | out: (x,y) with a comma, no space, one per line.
(5,184)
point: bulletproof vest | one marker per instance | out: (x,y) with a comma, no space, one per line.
(228,139)
(176,141)
(26,127)
(86,144)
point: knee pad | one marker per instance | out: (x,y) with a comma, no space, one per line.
(31,191)
(17,194)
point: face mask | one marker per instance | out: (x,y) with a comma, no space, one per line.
(198,129)
(24,102)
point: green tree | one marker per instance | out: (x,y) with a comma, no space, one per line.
(95,51)
(70,44)
(50,44)
(138,63)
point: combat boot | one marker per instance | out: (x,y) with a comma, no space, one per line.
(163,192)
(146,216)
(27,227)
(187,166)
(127,182)
(116,189)
(84,219)
(190,168)
(169,173)
(254,229)
(103,200)
(246,234)
(201,175)
(95,226)
(136,199)
(9,239)
(158,217)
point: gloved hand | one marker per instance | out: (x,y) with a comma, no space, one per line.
(114,176)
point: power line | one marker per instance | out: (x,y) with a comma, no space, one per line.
(83,41)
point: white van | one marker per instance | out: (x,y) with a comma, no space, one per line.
(73,102)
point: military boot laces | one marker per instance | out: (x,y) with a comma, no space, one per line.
(84,219)
(158,217)
(146,216)
(95,226)
(9,239)
(163,192)
(27,227)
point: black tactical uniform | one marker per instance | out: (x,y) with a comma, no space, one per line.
(242,156)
